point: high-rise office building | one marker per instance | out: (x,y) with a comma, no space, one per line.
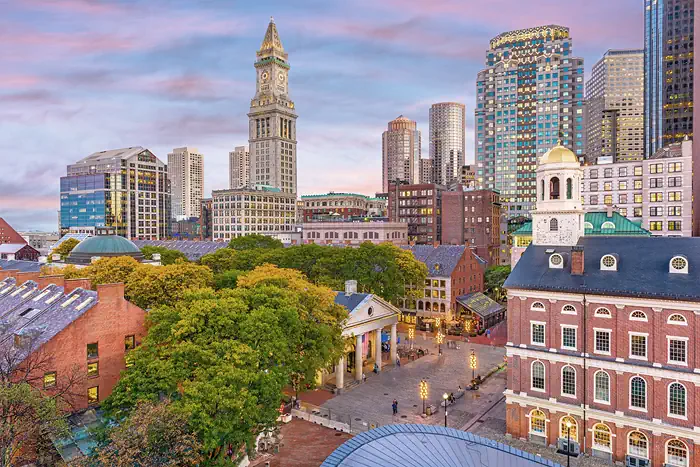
(126,189)
(668,71)
(426,171)
(272,119)
(400,152)
(186,174)
(239,167)
(615,107)
(447,121)
(529,96)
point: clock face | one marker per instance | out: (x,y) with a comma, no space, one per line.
(265,76)
(281,77)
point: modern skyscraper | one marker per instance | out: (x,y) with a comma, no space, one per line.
(272,119)
(668,72)
(186,174)
(447,120)
(239,167)
(400,152)
(529,96)
(126,189)
(615,107)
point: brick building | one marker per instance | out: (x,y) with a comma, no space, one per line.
(601,330)
(79,332)
(419,207)
(340,205)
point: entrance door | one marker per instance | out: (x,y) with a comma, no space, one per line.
(351,360)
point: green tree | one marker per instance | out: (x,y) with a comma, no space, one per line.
(64,248)
(167,256)
(253,242)
(494,277)
(148,286)
(223,259)
(227,279)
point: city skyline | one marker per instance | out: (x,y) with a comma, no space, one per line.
(70,89)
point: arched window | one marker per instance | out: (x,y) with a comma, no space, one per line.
(542,190)
(568,425)
(553,225)
(676,453)
(436,306)
(676,399)
(678,265)
(537,306)
(677,319)
(602,437)
(568,381)
(603,312)
(638,315)
(554,188)
(569,310)
(420,305)
(442,308)
(607,225)
(588,225)
(638,392)
(638,444)
(569,189)
(537,375)
(538,422)
(608,263)
(602,387)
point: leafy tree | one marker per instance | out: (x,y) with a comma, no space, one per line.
(167,256)
(494,277)
(69,271)
(227,279)
(112,270)
(224,357)
(64,248)
(254,242)
(148,286)
(223,259)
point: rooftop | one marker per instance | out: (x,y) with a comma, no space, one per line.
(480,304)
(441,260)
(103,245)
(593,226)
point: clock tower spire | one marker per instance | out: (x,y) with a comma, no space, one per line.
(272,118)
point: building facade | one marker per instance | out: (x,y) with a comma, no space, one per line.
(426,171)
(468,178)
(126,189)
(339,206)
(353,233)
(529,95)
(615,107)
(668,72)
(264,211)
(447,143)
(418,206)
(239,167)
(186,175)
(401,152)
(272,119)
(599,353)
(206,220)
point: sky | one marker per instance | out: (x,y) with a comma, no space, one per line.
(81,76)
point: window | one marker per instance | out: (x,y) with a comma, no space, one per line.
(608,263)
(588,225)
(594,199)
(129,343)
(638,345)
(638,170)
(638,445)
(623,200)
(675,196)
(675,211)
(675,167)
(594,173)
(538,422)
(568,310)
(602,437)
(556,261)
(49,379)
(676,399)
(568,337)
(677,350)
(93,395)
(622,171)
(656,226)
(637,184)
(656,168)
(92,350)
(656,211)
(537,376)
(656,197)
(638,200)
(537,306)
(601,382)
(603,312)
(568,381)
(607,225)
(622,185)
(538,333)
(607,186)
(93,370)
(656,183)
(638,315)
(553,225)
(602,341)
(568,428)
(677,320)
(674,182)
(569,189)
(638,393)
(676,453)
(674,226)
(554,188)
(607,200)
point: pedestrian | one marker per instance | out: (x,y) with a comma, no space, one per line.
(364,377)
(395,407)
(398,362)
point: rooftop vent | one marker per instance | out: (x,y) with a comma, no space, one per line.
(350,287)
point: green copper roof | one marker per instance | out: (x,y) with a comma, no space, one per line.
(105,244)
(594,223)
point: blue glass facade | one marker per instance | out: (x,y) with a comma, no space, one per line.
(83,201)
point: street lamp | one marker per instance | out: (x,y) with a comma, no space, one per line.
(472,363)
(568,443)
(445,396)
(411,335)
(423,390)
(440,338)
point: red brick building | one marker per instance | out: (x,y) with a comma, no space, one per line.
(340,206)
(472,218)
(419,207)
(81,333)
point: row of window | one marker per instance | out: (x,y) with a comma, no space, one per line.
(603,312)
(638,170)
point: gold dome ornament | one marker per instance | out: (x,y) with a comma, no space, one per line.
(558,154)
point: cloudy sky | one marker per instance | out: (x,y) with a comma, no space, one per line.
(80,76)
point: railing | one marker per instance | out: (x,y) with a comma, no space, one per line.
(328,418)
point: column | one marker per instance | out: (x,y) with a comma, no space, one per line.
(358,357)
(393,343)
(378,348)
(340,373)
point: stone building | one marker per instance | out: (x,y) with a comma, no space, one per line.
(354,232)
(418,206)
(340,206)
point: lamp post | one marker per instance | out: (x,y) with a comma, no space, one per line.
(444,397)
(423,390)
(568,443)
(472,363)
(438,321)
(440,337)
(411,335)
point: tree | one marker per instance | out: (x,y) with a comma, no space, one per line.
(254,242)
(167,256)
(224,357)
(494,277)
(223,259)
(64,248)
(148,286)
(227,279)
(153,435)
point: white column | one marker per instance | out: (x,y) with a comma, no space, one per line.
(393,343)
(378,348)
(358,357)
(340,373)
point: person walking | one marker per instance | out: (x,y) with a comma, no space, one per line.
(395,407)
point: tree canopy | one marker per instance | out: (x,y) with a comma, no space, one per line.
(254,242)
(64,248)
(494,277)
(167,256)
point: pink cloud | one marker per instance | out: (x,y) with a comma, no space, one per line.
(91,7)
(19,81)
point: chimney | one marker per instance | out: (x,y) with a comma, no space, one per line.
(609,211)
(350,287)
(577,261)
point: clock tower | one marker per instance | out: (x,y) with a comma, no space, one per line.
(272,119)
